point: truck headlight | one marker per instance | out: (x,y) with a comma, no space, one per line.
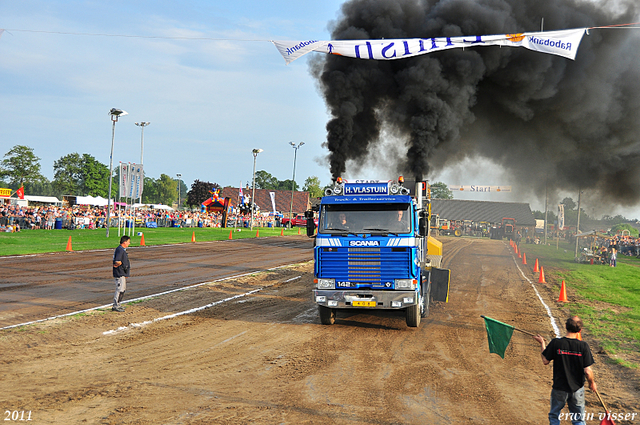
(409,284)
(326,283)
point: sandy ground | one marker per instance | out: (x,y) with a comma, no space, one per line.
(259,354)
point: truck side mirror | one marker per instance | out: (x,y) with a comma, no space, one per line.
(311,225)
(423,224)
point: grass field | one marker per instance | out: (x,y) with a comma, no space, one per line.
(608,297)
(39,241)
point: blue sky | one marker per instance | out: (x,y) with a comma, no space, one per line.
(210,102)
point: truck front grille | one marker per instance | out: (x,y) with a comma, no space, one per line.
(366,266)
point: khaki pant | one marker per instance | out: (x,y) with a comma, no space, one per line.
(121,287)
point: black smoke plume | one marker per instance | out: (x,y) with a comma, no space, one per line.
(546,119)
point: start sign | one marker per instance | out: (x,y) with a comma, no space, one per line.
(5,193)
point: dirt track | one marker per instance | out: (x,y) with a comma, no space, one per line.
(265,358)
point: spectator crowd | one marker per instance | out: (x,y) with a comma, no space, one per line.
(14,218)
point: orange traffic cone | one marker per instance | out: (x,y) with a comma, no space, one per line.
(281,232)
(563,294)
(230,234)
(519,254)
(257,233)
(580,336)
(541,278)
(193,237)
(142,240)
(298,230)
(536,267)
(69,245)
(524,258)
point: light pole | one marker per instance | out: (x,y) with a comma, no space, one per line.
(178,176)
(115,114)
(253,195)
(293,182)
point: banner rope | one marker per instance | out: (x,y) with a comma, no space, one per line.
(8,30)
(615,26)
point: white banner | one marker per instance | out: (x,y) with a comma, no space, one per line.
(273,201)
(135,181)
(562,43)
(560,216)
(124,180)
(472,188)
(138,180)
(130,180)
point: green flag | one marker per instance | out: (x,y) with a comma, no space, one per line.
(499,335)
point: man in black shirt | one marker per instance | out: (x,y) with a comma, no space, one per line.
(572,362)
(121,268)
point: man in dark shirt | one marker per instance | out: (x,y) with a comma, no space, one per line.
(572,362)
(121,268)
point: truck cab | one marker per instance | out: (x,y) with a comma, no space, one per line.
(372,250)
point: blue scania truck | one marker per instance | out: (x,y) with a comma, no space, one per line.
(373,250)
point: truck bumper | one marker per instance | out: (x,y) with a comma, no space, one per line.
(355,298)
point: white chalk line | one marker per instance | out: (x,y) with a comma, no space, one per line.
(181,313)
(551,318)
(73,313)
(192,310)
(195,309)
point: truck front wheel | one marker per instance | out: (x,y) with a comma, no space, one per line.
(327,315)
(413,316)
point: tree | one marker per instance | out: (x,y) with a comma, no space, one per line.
(312,185)
(200,192)
(618,228)
(286,185)
(440,190)
(20,165)
(150,192)
(41,188)
(167,189)
(95,177)
(81,175)
(568,203)
(67,174)
(265,180)
(551,216)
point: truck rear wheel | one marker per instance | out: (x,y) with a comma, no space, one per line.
(413,316)
(327,315)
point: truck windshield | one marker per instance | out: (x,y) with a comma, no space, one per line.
(365,218)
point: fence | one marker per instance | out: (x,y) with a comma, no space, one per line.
(28,223)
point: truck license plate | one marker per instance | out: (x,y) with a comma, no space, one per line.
(364,303)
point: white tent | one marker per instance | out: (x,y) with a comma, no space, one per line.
(90,200)
(42,199)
